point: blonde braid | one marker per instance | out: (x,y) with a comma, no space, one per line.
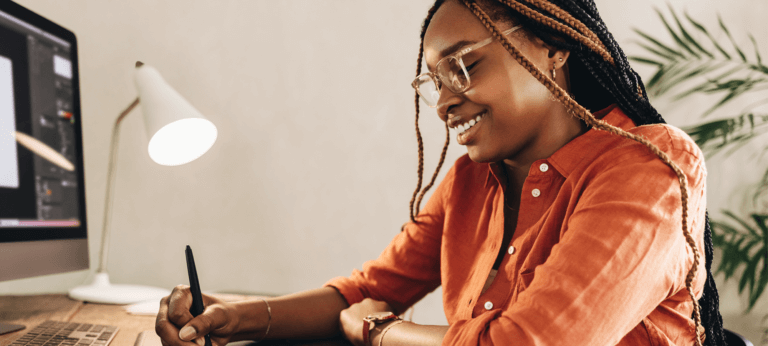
(437,170)
(535,15)
(420,170)
(568,18)
(591,121)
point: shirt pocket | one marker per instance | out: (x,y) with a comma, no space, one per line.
(523,281)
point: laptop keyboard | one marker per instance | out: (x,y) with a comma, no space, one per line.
(54,333)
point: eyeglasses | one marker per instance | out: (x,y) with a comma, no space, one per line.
(450,71)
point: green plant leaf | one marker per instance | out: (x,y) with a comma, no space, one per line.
(701,28)
(645,61)
(701,70)
(760,287)
(760,221)
(760,68)
(748,278)
(757,50)
(733,42)
(741,222)
(735,88)
(674,34)
(654,81)
(709,83)
(761,187)
(667,49)
(662,54)
(686,35)
(733,132)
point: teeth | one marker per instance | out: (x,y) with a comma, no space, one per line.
(461,128)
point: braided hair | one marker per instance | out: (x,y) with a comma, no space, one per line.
(601,76)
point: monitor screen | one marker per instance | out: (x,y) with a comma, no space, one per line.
(42,195)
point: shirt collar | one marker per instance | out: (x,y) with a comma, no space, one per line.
(565,159)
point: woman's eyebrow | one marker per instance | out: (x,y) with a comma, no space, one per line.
(453,48)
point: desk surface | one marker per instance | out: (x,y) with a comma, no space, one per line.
(33,310)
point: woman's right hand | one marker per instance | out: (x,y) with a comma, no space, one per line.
(177,327)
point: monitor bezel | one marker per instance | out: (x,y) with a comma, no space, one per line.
(54,233)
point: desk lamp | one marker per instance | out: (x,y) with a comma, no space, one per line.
(178,134)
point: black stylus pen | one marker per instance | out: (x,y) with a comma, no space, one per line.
(194,286)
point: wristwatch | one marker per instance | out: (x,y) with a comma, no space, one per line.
(372,320)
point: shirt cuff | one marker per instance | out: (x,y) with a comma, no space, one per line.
(346,286)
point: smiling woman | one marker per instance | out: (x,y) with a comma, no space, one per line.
(561,225)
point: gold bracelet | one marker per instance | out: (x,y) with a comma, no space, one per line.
(269,322)
(381,338)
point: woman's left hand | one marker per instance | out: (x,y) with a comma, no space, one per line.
(351,318)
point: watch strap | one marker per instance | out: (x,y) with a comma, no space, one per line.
(371,321)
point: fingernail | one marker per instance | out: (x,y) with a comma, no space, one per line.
(200,341)
(187,333)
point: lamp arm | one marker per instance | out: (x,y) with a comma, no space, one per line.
(110,184)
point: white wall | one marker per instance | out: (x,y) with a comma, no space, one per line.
(316,156)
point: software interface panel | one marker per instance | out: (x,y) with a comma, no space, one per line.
(38,148)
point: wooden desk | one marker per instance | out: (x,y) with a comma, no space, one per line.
(33,310)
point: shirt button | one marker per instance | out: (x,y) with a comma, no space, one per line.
(544,167)
(488,305)
(511,250)
(536,193)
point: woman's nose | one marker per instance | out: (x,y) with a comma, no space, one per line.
(446,102)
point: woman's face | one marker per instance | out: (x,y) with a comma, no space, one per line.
(519,121)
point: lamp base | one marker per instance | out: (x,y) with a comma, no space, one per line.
(101,291)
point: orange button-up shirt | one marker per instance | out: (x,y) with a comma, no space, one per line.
(598,258)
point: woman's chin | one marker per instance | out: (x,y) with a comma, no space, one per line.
(477,155)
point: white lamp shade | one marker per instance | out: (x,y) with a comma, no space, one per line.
(178,132)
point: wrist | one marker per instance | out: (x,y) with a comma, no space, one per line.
(252,319)
(381,330)
(374,322)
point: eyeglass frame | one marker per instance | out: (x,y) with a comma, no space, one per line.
(464,51)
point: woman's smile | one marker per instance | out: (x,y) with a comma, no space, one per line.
(467,130)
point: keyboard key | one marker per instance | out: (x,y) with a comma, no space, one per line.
(56,333)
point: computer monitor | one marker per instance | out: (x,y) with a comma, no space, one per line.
(43,227)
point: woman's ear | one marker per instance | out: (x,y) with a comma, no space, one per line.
(559,56)
(556,57)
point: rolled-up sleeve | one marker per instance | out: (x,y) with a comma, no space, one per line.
(409,267)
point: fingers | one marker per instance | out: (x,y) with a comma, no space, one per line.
(212,319)
(179,304)
(177,327)
(167,331)
(174,312)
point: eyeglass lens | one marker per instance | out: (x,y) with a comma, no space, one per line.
(451,73)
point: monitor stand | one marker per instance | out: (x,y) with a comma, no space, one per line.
(7,327)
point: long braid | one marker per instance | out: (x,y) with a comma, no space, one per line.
(530,13)
(414,211)
(710,300)
(591,121)
(569,19)
(437,170)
